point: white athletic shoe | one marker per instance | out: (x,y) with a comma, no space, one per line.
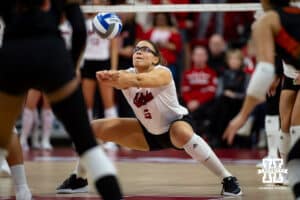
(45,145)
(24,144)
(35,143)
(4,169)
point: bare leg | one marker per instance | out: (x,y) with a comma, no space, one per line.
(89,88)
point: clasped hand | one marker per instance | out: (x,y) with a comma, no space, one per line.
(108,75)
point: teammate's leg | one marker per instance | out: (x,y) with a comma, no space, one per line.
(16,163)
(68,105)
(126,132)
(47,124)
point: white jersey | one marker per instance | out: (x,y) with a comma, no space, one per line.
(1,30)
(290,71)
(66,32)
(96,47)
(157,107)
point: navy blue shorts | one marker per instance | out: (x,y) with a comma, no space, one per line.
(288,84)
(163,141)
(90,67)
(41,63)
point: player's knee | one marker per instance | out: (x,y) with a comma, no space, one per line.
(101,130)
(180,136)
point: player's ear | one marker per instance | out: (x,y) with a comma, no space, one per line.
(156,60)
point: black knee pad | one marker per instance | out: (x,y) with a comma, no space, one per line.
(71,111)
(294,152)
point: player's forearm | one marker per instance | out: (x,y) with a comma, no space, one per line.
(249,104)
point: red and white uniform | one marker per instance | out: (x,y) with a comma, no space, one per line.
(157,107)
(199,84)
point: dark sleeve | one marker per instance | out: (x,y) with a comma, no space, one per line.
(6,7)
(75,17)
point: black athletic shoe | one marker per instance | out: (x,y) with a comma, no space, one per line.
(73,185)
(231,187)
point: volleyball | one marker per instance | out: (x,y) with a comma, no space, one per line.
(107,25)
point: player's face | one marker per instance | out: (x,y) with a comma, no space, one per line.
(144,55)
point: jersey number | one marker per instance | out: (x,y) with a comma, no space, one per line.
(147,114)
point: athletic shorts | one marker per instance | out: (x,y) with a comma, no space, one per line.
(163,141)
(289,85)
(90,67)
(41,62)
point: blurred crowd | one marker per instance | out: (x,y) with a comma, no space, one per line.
(210,56)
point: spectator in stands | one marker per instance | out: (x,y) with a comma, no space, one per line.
(199,88)
(232,87)
(167,37)
(206,17)
(186,25)
(217,51)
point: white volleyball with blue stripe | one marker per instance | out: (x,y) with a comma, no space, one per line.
(107,25)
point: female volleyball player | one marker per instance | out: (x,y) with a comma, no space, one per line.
(161,122)
(277,31)
(34,48)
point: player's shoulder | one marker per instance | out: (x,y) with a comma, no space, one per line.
(269,19)
(162,69)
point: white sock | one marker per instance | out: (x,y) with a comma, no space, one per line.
(47,118)
(97,164)
(272,131)
(111,112)
(4,167)
(90,114)
(198,149)
(295,134)
(79,170)
(3,155)
(27,123)
(284,146)
(18,175)
(20,182)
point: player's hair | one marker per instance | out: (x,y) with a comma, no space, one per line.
(157,52)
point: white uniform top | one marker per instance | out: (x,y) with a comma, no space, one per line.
(290,71)
(66,32)
(157,107)
(96,47)
(1,30)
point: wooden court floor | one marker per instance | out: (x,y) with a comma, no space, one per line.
(165,175)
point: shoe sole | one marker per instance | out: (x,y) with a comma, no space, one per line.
(232,194)
(70,191)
